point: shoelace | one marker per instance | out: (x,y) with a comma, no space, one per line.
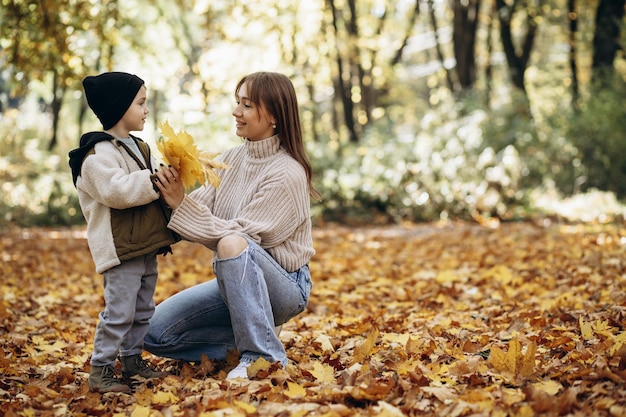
(141,363)
(108,371)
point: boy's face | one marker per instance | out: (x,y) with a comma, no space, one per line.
(135,117)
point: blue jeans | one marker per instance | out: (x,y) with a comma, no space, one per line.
(238,310)
(129,304)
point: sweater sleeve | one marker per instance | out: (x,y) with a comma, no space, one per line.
(277,209)
(105,180)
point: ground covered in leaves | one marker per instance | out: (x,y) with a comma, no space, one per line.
(422,320)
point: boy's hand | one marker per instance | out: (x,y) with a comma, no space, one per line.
(171,188)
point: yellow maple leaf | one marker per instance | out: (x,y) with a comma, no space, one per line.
(140,411)
(514,352)
(585,329)
(164,397)
(193,164)
(400,338)
(295,390)
(618,342)
(602,327)
(513,362)
(260,364)
(323,373)
(44,345)
(527,366)
(326,344)
(550,387)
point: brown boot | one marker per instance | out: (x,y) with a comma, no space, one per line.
(103,379)
(135,365)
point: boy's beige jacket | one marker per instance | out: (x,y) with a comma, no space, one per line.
(125,217)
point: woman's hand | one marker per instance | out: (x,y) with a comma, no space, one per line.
(171,188)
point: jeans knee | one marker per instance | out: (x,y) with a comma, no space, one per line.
(231,246)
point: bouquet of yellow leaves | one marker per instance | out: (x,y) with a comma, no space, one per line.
(193,165)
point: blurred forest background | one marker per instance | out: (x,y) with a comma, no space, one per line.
(414,110)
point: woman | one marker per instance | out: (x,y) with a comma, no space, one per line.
(258,225)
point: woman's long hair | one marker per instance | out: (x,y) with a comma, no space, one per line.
(276,93)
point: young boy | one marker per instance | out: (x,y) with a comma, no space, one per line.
(126,225)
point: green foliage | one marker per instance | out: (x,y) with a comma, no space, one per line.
(36,185)
(598,133)
(440,168)
(542,144)
(459,161)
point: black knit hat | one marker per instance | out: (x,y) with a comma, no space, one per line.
(110,94)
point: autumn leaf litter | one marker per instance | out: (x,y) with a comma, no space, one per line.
(428,320)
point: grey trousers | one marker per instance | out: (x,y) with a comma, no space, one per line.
(129,305)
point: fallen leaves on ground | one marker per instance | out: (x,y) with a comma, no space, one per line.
(428,320)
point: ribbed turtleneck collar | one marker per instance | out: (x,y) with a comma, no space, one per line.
(259,149)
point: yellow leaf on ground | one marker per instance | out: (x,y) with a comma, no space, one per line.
(527,367)
(323,373)
(514,363)
(363,350)
(619,341)
(512,396)
(501,273)
(512,355)
(585,329)
(497,357)
(602,327)
(44,345)
(140,411)
(324,341)
(525,411)
(550,387)
(401,338)
(260,364)
(164,397)
(248,408)
(295,390)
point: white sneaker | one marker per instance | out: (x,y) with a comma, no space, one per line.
(240,371)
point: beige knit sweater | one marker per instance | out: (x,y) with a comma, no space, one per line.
(264,195)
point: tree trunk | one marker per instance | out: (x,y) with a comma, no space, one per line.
(433,20)
(517,62)
(57,100)
(82,112)
(464,38)
(489,66)
(412,19)
(573,30)
(343,81)
(609,16)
